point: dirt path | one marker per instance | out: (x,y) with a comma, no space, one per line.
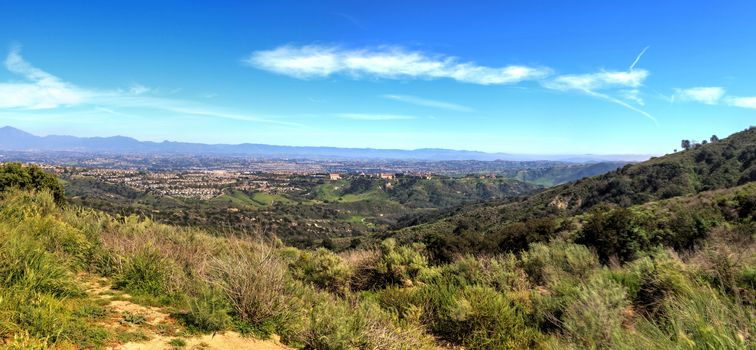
(153,328)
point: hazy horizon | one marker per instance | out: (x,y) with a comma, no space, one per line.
(632,157)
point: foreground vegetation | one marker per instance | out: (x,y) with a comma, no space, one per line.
(678,273)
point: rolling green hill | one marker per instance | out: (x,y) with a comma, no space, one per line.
(319,210)
(726,163)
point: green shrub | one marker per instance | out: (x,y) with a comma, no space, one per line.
(341,324)
(46,317)
(481,318)
(208,312)
(659,277)
(177,342)
(324,269)
(134,318)
(401,301)
(594,317)
(614,233)
(145,273)
(26,265)
(30,177)
(546,262)
(710,321)
(400,265)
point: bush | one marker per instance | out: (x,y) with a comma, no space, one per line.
(478,317)
(30,177)
(145,273)
(255,282)
(48,318)
(614,233)
(208,312)
(659,276)
(341,324)
(324,269)
(24,264)
(544,263)
(593,319)
(400,264)
(706,320)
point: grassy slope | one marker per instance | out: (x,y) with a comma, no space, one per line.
(555,295)
(723,164)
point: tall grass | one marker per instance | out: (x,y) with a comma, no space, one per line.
(552,295)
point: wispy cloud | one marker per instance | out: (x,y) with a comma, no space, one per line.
(709,95)
(633,95)
(607,84)
(391,62)
(375,117)
(42,90)
(713,95)
(742,102)
(429,103)
(387,62)
(598,81)
(39,90)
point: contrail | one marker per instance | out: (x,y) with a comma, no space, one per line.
(638,58)
(621,103)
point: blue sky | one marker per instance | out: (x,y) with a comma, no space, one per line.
(536,77)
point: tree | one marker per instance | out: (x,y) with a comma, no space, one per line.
(328,244)
(685,144)
(714,138)
(613,233)
(704,142)
(32,177)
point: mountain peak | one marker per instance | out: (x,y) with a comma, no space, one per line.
(10,129)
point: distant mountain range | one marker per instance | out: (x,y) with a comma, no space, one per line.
(12,139)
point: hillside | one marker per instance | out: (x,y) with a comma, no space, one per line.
(723,164)
(666,274)
(342,210)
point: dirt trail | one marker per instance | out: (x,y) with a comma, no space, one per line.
(153,328)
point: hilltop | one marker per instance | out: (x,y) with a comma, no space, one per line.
(723,164)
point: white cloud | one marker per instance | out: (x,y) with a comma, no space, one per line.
(743,102)
(598,81)
(40,90)
(315,61)
(429,103)
(633,95)
(713,95)
(709,95)
(375,117)
(623,83)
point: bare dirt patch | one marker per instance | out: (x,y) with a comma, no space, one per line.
(153,328)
